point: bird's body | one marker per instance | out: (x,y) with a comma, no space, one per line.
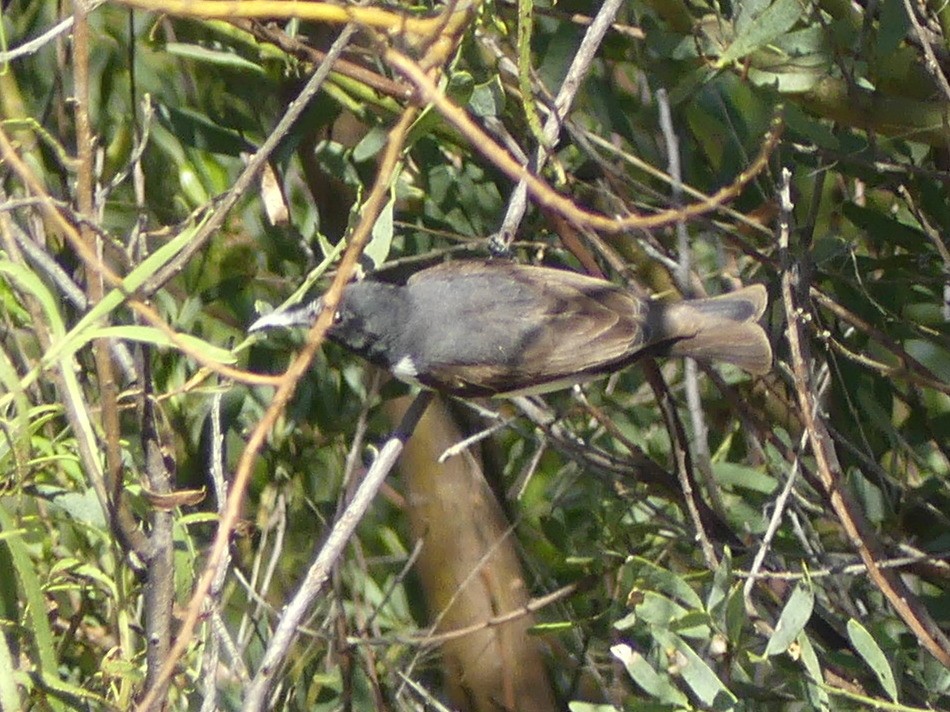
(474,328)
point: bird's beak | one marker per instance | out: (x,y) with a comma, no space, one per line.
(288,318)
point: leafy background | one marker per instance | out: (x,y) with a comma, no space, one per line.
(596,550)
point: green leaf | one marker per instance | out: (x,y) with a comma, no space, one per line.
(660,611)
(35,621)
(750,478)
(700,678)
(868,649)
(81,506)
(370,145)
(892,27)
(816,691)
(755,30)
(652,577)
(658,685)
(196,129)
(157,337)
(722,578)
(488,99)
(794,616)
(218,58)
(935,358)
(82,332)
(377,250)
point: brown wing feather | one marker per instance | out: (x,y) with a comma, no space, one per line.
(590,324)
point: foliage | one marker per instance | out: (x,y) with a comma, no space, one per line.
(712,555)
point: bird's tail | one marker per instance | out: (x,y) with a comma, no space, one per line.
(723,328)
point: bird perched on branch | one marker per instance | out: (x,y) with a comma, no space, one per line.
(491,328)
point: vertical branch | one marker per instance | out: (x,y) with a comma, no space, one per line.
(682,460)
(856,527)
(288,382)
(682,275)
(159,591)
(122,520)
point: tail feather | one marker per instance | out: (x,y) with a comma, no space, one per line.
(722,329)
(746,304)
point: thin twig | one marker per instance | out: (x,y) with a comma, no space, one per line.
(343,528)
(683,461)
(579,68)
(857,529)
(683,276)
(361,234)
(430,638)
(37,43)
(546,196)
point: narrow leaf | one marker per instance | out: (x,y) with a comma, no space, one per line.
(794,616)
(868,649)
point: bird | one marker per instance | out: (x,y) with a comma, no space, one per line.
(474,328)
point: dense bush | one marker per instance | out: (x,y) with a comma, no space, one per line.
(670,537)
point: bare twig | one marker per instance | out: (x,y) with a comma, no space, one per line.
(361,234)
(37,43)
(159,594)
(579,68)
(858,531)
(548,197)
(682,460)
(430,638)
(331,550)
(781,501)
(683,276)
(122,521)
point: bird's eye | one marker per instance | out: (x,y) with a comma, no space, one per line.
(337,317)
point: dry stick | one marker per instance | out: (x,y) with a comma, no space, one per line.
(299,49)
(217,631)
(37,43)
(532,606)
(562,104)
(859,533)
(682,274)
(120,520)
(542,192)
(331,550)
(781,501)
(412,28)
(159,590)
(855,569)
(287,383)
(156,550)
(682,461)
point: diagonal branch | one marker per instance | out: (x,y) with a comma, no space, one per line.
(859,532)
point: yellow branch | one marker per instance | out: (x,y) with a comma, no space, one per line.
(375,17)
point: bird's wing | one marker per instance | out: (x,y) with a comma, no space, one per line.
(590,323)
(564,327)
